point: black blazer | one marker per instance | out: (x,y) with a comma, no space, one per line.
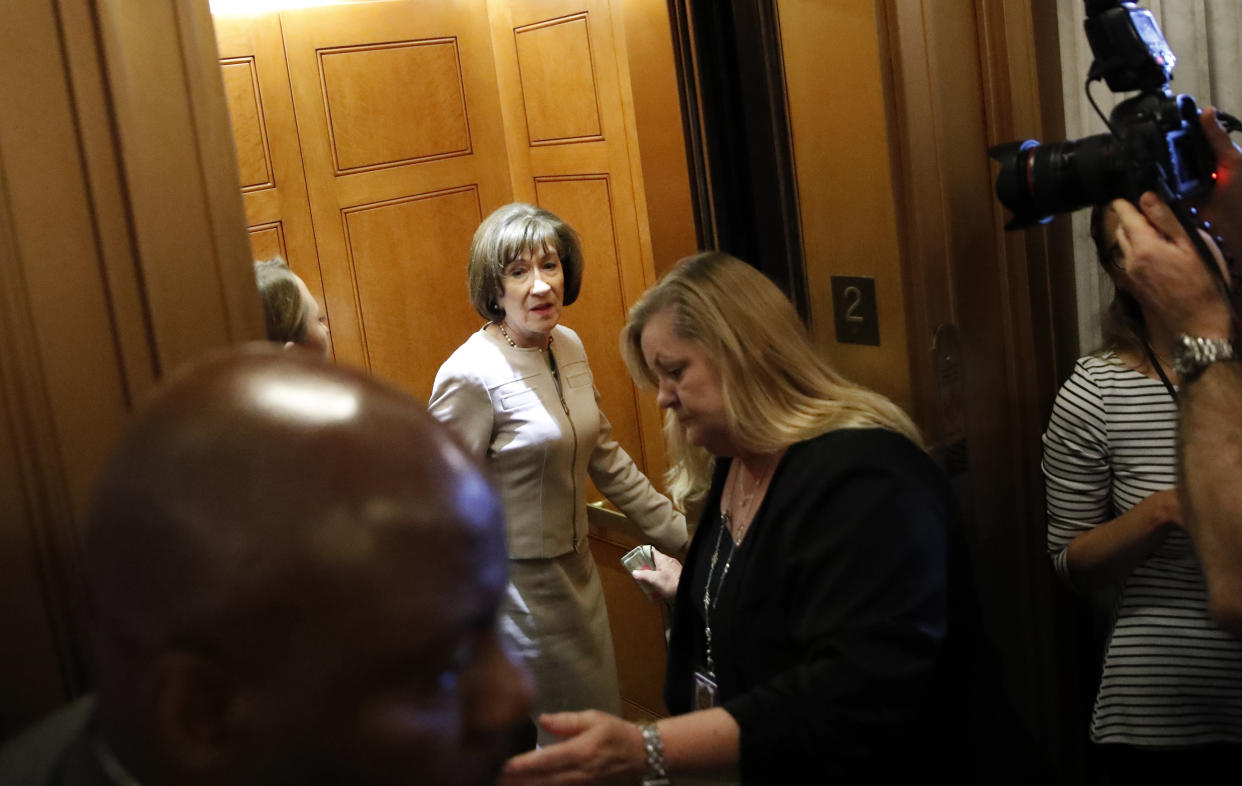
(840,634)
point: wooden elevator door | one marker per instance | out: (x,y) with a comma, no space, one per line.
(372,138)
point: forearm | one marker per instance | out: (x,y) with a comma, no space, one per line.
(1211,467)
(1106,554)
(704,742)
(618,478)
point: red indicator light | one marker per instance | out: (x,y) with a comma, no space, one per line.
(1215,176)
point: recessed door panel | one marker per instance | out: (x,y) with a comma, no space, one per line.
(408,258)
(403,145)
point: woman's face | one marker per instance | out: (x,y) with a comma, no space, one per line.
(688,384)
(317,336)
(534,285)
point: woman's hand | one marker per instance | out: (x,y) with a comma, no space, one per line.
(1164,508)
(599,748)
(1105,555)
(663,578)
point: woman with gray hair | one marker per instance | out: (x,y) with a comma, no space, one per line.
(520,395)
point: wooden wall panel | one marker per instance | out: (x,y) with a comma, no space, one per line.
(586,203)
(241,88)
(160,117)
(375,131)
(32,647)
(637,624)
(122,254)
(658,123)
(395,104)
(411,294)
(268,241)
(557,74)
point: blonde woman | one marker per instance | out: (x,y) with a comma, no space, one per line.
(520,394)
(291,314)
(813,638)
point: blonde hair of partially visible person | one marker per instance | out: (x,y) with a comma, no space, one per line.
(776,388)
(284,310)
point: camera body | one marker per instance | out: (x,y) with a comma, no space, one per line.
(1155,144)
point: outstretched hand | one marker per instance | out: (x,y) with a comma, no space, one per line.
(663,578)
(599,748)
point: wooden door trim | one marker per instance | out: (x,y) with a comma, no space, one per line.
(731,71)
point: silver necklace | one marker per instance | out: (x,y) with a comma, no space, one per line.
(743,507)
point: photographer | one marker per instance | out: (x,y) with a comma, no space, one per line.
(1168,274)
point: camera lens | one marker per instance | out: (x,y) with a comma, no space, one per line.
(1037,181)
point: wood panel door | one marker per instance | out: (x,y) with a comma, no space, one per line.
(265,135)
(564,83)
(403,149)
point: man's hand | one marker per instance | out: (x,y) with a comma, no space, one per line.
(1165,272)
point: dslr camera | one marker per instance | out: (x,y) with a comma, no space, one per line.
(1155,141)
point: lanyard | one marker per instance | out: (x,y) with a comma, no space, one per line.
(1151,357)
(709,605)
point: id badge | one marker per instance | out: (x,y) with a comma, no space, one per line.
(704,690)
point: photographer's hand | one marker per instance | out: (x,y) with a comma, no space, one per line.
(1166,275)
(1223,206)
(1165,271)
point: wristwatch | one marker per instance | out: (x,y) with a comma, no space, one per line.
(1192,354)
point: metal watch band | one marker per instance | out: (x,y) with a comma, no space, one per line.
(1192,354)
(653,742)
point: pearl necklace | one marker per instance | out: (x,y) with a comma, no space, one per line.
(513,343)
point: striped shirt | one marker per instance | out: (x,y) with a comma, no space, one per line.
(1170,677)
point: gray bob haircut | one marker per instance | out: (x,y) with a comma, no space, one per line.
(284,310)
(503,237)
(777,388)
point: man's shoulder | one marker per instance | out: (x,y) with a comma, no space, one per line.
(48,753)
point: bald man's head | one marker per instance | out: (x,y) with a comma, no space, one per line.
(295,574)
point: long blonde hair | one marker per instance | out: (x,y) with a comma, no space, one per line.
(776,388)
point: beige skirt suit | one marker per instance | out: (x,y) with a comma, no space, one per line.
(540,434)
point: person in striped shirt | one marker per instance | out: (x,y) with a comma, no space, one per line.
(1170,696)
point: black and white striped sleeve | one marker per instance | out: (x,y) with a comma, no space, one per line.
(1076,464)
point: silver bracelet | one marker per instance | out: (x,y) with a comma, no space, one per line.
(653,742)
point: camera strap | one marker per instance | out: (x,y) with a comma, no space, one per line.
(1151,358)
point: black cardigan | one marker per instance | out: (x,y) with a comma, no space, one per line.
(840,635)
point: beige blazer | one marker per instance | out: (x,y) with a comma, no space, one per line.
(540,440)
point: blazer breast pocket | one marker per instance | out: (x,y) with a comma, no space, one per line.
(577,374)
(517,395)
